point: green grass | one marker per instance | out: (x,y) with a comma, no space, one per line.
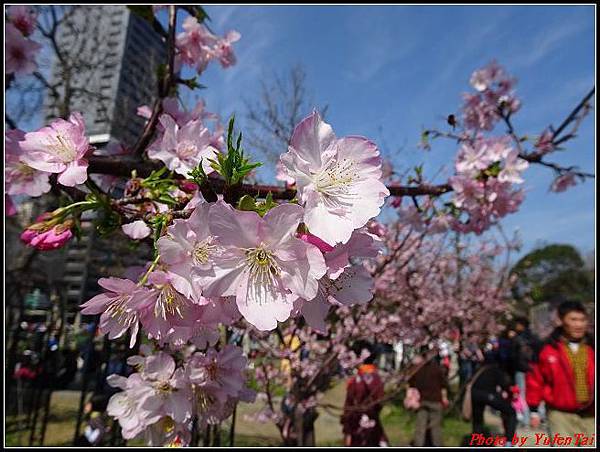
(398,424)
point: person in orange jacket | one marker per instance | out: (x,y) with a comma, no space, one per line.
(564,376)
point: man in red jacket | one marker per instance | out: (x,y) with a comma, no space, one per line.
(564,376)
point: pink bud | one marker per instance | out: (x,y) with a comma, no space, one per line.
(52,239)
(188,186)
(314,240)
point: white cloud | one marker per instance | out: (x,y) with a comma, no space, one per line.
(546,41)
(376,46)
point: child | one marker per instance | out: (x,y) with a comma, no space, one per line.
(96,426)
(517,403)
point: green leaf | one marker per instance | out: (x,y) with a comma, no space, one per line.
(232,165)
(198,174)
(266,205)
(167,199)
(192,83)
(247,202)
(493,170)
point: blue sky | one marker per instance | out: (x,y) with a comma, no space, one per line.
(401,68)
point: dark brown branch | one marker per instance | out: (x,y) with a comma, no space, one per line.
(164,87)
(574,113)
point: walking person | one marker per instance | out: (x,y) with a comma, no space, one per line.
(431,382)
(491,386)
(96,426)
(361,423)
(564,376)
(525,350)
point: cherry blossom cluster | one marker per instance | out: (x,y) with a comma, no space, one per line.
(171,390)
(433,289)
(19,49)
(426,289)
(183,139)
(197,46)
(220,263)
(31,158)
(494,96)
(266,264)
(486,170)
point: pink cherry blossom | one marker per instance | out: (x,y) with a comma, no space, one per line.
(124,405)
(513,167)
(476,156)
(484,79)
(188,246)
(183,148)
(137,230)
(224,49)
(23,17)
(353,286)
(282,174)
(494,95)
(544,143)
(478,113)
(19,51)
(166,391)
(173,311)
(338,180)
(411,216)
(345,283)
(472,158)
(262,263)
(120,307)
(218,374)
(197,46)
(362,245)
(20,178)
(168,433)
(563,182)
(440,223)
(376,228)
(59,148)
(467,191)
(144,111)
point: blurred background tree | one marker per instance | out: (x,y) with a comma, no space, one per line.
(553,272)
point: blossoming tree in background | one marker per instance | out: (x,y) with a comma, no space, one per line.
(421,288)
(227,254)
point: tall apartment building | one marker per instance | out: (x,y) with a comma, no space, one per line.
(113,56)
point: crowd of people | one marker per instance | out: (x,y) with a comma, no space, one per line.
(543,384)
